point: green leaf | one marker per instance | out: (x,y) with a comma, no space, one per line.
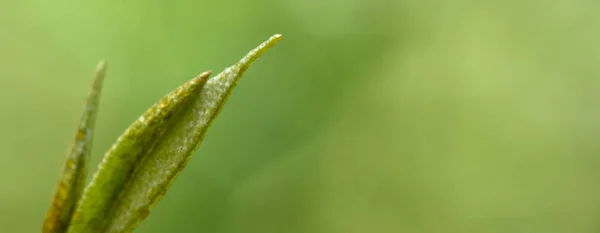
(142,164)
(72,180)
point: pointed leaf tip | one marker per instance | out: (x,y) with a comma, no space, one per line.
(101,67)
(71,182)
(203,77)
(254,54)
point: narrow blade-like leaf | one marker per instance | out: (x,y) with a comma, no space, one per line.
(120,208)
(72,180)
(117,166)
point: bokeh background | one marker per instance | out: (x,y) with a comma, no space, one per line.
(369,116)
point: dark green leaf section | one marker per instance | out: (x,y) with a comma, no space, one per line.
(158,170)
(72,180)
(117,166)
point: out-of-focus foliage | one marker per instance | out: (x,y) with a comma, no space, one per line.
(71,183)
(373,116)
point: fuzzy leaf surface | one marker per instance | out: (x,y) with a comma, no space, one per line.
(141,166)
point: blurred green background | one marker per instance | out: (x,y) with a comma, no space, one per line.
(369,116)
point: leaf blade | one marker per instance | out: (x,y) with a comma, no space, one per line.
(72,180)
(172,155)
(131,179)
(119,162)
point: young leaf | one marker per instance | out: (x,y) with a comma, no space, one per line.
(72,180)
(143,163)
(118,165)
